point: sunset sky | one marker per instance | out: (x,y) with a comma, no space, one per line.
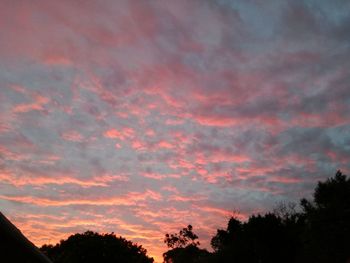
(140,117)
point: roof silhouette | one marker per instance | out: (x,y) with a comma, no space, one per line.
(15,247)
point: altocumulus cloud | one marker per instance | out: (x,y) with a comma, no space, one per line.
(140,117)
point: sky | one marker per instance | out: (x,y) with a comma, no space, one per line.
(141,117)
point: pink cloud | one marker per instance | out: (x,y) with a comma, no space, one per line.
(41,180)
(217,121)
(113,134)
(165,145)
(122,134)
(118,146)
(179,198)
(222,212)
(171,87)
(154,176)
(219,155)
(73,136)
(138,145)
(38,105)
(132,198)
(11,155)
(170,188)
(174,121)
(56,59)
(150,132)
(50,159)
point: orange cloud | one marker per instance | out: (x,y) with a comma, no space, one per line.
(38,105)
(113,134)
(132,198)
(165,145)
(138,145)
(125,133)
(38,180)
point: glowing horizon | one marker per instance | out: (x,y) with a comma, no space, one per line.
(140,118)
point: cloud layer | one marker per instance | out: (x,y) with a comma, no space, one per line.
(140,117)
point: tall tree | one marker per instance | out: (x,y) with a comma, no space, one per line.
(319,233)
(327,231)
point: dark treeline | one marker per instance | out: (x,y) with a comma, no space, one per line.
(318,230)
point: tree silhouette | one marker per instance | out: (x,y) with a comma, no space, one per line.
(91,247)
(327,230)
(184,247)
(188,254)
(224,238)
(319,233)
(184,238)
(263,238)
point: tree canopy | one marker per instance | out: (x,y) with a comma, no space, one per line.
(317,232)
(91,247)
(184,238)
(184,247)
(327,226)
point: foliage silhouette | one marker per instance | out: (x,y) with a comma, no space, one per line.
(184,238)
(92,247)
(184,247)
(327,228)
(188,254)
(263,238)
(319,232)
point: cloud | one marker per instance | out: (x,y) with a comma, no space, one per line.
(73,136)
(40,101)
(131,198)
(143,117)
(121,134)
(39,180)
